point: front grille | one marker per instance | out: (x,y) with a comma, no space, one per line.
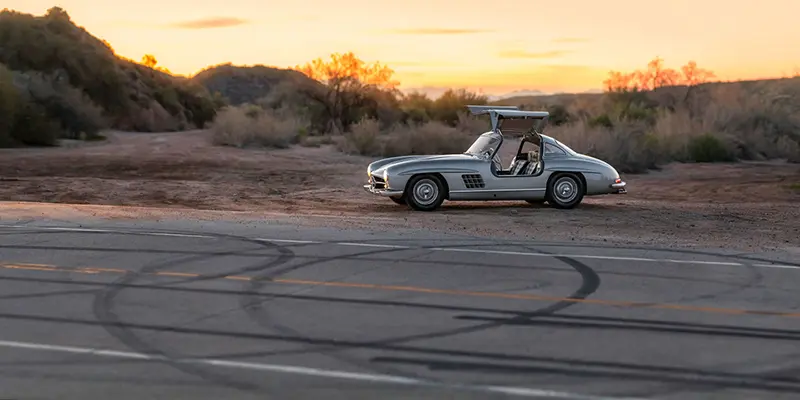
(473,181)
(377,182)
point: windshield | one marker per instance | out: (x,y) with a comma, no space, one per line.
(487,142)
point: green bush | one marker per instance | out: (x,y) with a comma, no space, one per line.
(23,122)
(77,115)
(709,148)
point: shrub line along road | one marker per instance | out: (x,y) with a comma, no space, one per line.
(190,310)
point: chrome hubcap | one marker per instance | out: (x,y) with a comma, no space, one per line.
(566,189)
(425,192)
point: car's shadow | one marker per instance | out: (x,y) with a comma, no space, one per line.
(458,207)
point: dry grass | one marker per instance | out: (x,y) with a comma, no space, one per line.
(367,138)
(252,126)
(720,123)
(635,132)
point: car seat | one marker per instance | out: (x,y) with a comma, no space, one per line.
(533,164)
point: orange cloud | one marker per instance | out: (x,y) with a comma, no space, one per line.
(570,40)
(208,23)
(528,54)
(438,31)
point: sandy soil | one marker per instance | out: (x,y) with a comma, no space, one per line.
(748,206)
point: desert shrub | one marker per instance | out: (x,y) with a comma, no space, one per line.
(790,149)
(559,115)
(709,148)
(449,105)
(78,116)
(366,138)
(429,138)
(629,147)
(316,141)
(252,126)
(37,110)
(602,120)
(33,126)
(472,125)
(9,104)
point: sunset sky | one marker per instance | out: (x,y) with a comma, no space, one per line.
(497,46)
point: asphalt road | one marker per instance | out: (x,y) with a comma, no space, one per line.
(184,310)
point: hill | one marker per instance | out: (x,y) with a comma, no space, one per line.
(60,75)
(248,84)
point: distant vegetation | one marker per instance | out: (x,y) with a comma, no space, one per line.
(58,81)
(644,118)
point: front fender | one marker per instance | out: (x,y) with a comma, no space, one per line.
(376,165)
(428,170)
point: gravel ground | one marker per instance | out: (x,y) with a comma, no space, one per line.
(744,206)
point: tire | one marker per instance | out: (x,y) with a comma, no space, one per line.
(565,191)
(425,193)
(398,200)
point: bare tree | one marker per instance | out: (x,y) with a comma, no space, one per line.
(347,82)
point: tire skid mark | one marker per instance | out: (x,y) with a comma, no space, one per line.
(746,257)
(756,277)
(104,304)
(255,308)
(691,375)
(612,322)
(520,316)
(365,257)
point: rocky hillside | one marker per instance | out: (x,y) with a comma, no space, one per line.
(58,71)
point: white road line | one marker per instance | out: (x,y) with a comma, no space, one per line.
(528,254)
(88,230)
(449,249)
(286,241)
(316,372)
(388,246)
(178,235)
(776,266)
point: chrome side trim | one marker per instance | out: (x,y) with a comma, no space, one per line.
(498,190)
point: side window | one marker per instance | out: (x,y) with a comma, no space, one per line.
(551,150)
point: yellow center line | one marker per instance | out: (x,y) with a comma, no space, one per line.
(93,269)
(167,273)
(239,278)
(452,292)
(30,267)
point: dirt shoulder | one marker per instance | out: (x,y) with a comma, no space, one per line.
(748,206)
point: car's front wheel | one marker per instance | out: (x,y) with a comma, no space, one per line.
(565,191)
(425,193)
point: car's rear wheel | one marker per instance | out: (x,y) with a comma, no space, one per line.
(425,193)
(565,191)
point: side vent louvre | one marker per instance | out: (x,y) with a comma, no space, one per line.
(473,181)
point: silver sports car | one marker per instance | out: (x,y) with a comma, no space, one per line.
(543,169)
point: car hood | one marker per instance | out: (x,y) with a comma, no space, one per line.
(407,160)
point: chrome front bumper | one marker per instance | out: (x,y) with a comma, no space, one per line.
(619,188)
(383,192)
